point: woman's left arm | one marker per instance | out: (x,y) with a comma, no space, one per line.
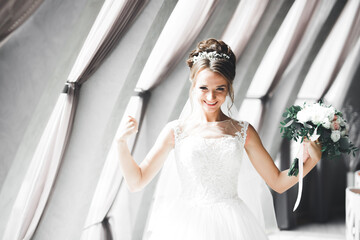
(279,181)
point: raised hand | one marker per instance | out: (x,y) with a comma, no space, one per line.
(312,149)
(129,127)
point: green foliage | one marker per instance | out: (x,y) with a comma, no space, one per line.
(292,129)
(294,168)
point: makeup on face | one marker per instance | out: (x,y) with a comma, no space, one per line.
(210,90)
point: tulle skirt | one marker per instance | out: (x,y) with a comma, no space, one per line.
(230,219)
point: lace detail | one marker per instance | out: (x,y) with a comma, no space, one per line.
(178,134)
(242,133)
(208,186)
(239,134)
(208,168)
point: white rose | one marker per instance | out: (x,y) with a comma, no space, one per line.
(342,122)
(335,135)
(318,115)
(316,119)
(307,105)
(331,113)
(302,116)
(324,113)
(326,123)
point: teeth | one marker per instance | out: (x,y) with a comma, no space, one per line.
(211,103)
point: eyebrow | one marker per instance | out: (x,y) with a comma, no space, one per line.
(216,86)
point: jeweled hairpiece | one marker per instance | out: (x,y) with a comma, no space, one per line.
(210,55)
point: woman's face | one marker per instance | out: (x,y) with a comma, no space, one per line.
(210,90)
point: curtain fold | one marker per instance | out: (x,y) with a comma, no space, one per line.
(30,202)
(305,69)
(352,39)
(181,29)
(183,26)
(243,24)
(284,92)
(40,176)
(109,183)
(281,50)
(336,95)
(113,19)
(282,47)
(333,52)
(250,59)
(13,13)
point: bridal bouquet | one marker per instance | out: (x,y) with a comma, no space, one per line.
(317,121)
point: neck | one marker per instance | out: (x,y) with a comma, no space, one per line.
(202,116)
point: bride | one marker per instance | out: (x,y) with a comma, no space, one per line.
(210,149)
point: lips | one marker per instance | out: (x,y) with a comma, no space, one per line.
(210,104)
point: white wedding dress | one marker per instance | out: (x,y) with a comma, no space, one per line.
(208,159)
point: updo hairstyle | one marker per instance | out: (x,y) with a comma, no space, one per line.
(223,66)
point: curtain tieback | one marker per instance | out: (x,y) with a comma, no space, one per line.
(141,93)
(68,85)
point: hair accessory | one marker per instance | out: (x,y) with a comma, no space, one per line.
(210,55)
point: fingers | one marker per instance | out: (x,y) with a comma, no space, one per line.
(313,144)
(305,140)
(312,149)
(308,141)
(306,154)
(132,123)
(128,127)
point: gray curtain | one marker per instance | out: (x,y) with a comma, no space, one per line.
(29,205)
(13,13)
(334,32)
(165,54)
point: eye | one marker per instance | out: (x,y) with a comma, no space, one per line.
(203,88)
(220,89)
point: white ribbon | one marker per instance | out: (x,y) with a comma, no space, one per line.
(300,156)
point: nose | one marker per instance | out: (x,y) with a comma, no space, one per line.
(210,96)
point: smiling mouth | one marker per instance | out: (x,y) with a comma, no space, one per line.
(210,104)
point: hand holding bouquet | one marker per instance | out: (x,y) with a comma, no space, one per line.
(317,122)
(320,123)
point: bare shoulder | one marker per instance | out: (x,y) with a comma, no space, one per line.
(167,134)
(240,124)
(170,126)
(252,136)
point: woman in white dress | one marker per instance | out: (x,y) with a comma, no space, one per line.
(208,148)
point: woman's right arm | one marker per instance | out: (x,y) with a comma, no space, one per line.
(137,177)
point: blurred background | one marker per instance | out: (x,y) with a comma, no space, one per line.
(70,71)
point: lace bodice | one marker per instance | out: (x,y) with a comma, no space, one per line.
(208,165)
